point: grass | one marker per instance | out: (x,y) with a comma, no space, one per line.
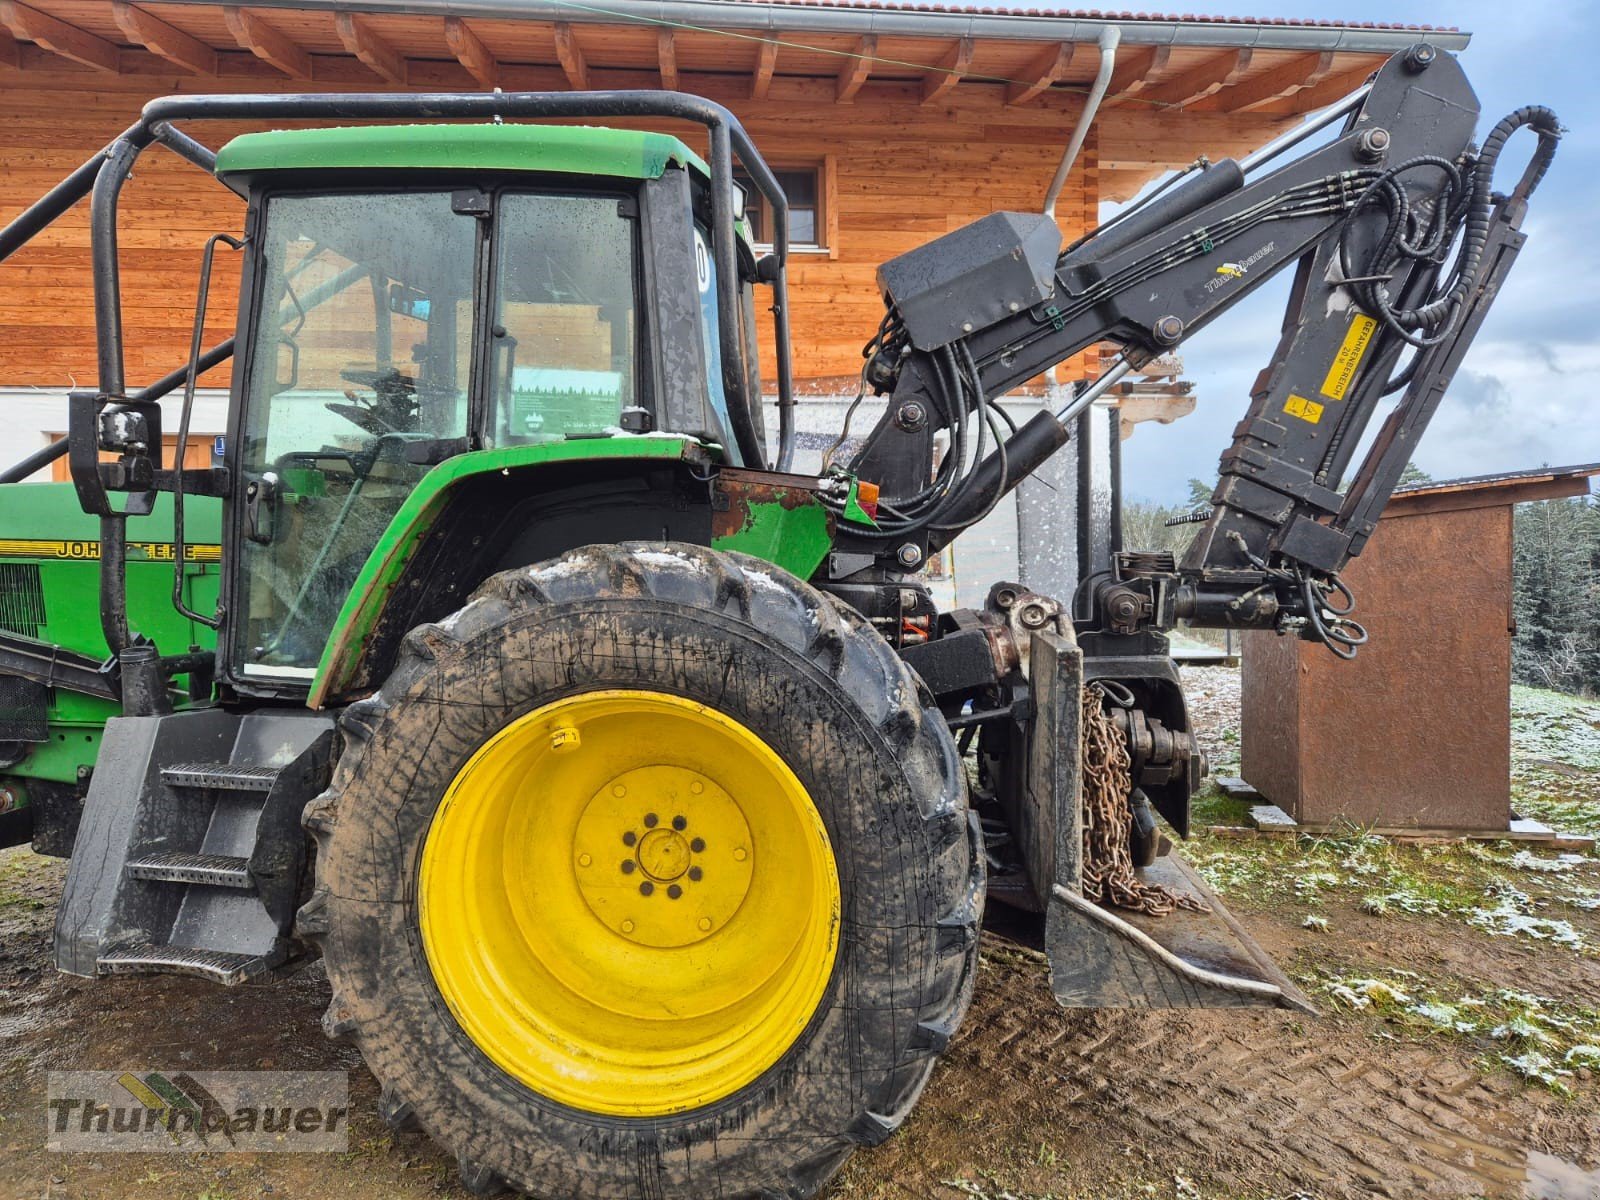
(1529,895)
(1547,1042)
(1496,888)
(1555,759)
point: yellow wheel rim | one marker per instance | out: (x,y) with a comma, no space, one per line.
(629,902)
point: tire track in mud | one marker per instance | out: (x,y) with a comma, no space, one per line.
(1258,1098)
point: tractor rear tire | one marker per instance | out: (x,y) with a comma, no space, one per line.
(466,781)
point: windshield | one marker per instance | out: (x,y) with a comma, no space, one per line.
(563,337)
(361,369)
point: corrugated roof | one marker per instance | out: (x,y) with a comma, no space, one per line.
(1468,483)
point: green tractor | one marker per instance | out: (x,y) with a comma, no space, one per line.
(637,798)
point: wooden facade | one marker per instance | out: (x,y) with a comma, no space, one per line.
(914,136)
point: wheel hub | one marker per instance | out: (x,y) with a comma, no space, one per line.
(662,855)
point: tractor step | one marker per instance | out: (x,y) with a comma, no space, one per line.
(190,852)
(218,966)
(177,866)
(233,777)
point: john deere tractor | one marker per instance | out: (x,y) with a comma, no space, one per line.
(639,801)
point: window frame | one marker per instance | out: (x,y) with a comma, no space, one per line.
(827,206)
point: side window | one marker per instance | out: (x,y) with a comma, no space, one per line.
(563,339)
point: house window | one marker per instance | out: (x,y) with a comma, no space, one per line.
(809,219)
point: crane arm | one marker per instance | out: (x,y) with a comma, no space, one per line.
(1397,245)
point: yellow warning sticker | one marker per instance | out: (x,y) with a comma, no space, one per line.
(1349,357)
(1306,410)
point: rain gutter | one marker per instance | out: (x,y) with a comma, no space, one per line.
(774,19)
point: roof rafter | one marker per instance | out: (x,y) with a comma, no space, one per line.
(951,68)
(570,53)
(766,63)
(267,43)
(361,40)
(1133,74)
(1199,81)
(856,68)
(1329,91)
(1042,74)
(161,39)
(59,38)
(471,53)
(1279,83)
(667,58)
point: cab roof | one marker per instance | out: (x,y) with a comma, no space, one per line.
(568,149)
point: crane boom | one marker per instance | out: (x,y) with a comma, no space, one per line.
(1398,247)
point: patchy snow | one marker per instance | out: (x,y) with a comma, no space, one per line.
(1525,860)
(1557,728)
(670,559)
(764,582)
(1512,916)
(562,568)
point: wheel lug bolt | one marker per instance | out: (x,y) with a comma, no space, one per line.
(674,892)
(705,924)
(628,866)
(651,820)
(646,888)
(629,838)
(619,790)
(627,927)
(695,873)
(697,787)
(740,854)
(680,823)
(584,860)
(698,845)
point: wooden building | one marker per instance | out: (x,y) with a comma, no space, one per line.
(890,122)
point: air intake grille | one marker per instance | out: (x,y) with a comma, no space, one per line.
(23,710)
(21,599)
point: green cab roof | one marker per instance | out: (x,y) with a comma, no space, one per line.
(568,149)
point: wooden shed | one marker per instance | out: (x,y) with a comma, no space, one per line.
(1415,733)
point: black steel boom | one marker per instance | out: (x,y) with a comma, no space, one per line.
(1398,245)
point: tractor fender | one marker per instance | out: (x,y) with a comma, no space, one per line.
(484,511)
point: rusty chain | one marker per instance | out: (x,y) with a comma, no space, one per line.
(1108,874)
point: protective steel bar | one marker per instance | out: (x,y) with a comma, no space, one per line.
(1311,125)
(54,202)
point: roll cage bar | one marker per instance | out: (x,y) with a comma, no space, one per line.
(105,174)
(135,418)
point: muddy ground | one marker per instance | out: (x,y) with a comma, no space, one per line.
(1457,1054)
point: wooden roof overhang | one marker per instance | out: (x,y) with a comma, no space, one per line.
(1226,84)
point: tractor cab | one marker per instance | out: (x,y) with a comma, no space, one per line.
(413,293)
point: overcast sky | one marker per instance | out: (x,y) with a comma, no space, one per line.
(1528,393)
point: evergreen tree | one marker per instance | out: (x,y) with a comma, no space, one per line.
(1556,595)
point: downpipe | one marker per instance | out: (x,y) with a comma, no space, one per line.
(1110,39)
